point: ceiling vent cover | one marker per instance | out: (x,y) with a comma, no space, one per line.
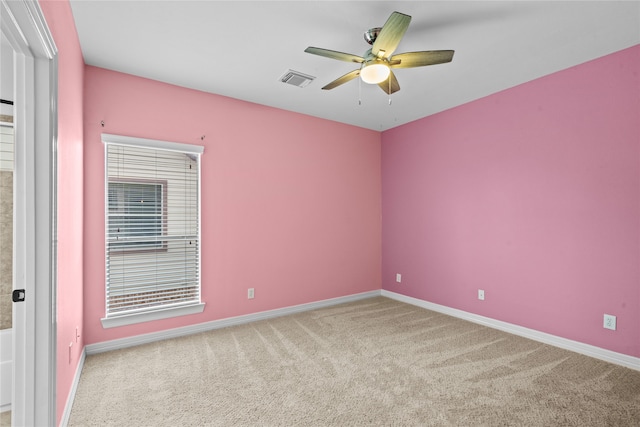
(296,78)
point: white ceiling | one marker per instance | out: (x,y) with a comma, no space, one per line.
(240,49)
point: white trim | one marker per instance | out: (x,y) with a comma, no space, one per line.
(35,118)
(152,143)
(64,420)
(199,213)
(566,344)
(222,323)
(157,314)
(586,349)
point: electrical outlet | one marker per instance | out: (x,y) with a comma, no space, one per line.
(481,294)
(398,277)
(610,322)
(250,293)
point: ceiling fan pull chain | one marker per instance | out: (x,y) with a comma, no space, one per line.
(389,90)
(359,91)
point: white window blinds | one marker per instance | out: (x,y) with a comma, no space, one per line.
(152,212)
(6,147)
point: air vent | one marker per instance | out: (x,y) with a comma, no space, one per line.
(296,78)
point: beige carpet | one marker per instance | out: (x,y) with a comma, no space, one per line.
(373,362)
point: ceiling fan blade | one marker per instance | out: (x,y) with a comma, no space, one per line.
(390,35)
(420,59)
(340,56)
(342,80)
(390,85)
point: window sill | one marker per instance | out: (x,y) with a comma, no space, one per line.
(165,313)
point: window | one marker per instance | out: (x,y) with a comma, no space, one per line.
(6,143)
(152,225)
(137,215)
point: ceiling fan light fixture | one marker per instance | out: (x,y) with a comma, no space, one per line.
(374,73)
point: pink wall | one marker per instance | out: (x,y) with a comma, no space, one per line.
(532,194)
(290,204)
(70,191)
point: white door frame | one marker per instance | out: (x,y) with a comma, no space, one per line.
(35,240)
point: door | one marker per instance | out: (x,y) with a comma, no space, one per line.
(34,257)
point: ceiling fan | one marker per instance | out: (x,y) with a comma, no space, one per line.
(377,62)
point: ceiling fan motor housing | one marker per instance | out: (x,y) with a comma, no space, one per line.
(370,58)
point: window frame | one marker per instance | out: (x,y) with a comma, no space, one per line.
(161,312)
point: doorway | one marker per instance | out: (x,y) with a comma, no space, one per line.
(34,194)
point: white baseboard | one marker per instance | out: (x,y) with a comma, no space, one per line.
(575,346)
(222,323)
(72,393)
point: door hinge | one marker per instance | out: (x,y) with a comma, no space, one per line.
(18,295)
